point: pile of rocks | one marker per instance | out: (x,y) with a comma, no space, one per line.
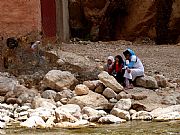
(62,102)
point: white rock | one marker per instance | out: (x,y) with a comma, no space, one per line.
(78,124)
(34,121)
(168,116)
(71,108)
(22,109)
(2,124)
(50,122)
(44,113)
(109,119)
(62,115)
(23,113)
(6,119)
(131,111)
(90,112)
(7,107)
(110,81)
(109,93)
(123,104)
(81,90)
(141,115)
(120,113)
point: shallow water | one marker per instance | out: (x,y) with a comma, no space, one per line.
(129,128)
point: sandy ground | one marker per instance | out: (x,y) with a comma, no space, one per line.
(156,58)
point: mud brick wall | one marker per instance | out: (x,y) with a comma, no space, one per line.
(19,17)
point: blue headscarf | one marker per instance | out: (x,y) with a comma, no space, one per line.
(131,51)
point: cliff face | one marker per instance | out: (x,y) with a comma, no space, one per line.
(125,19)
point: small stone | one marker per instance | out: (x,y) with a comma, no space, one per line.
(109,93)
(113,100)
(12,101)
(81,90)
(123,95)
(64,101)
(58,104)
(100,88)
(161,81)
(131,111)
(49,94)
(138,96)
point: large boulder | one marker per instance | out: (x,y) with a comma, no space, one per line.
(83,67)
(147,82)
(90,112)
(123,104)
(81,90)
(110,81)
(89,100)
(168,116)
(160,111)
(44,112)
(41,102)
(150,99)
(171,98)
(58,80)
(64,115)
(120,113)
(7,84)
(141,115)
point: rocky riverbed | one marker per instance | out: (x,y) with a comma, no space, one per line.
(77,93)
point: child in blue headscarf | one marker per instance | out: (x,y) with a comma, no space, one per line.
(133,66)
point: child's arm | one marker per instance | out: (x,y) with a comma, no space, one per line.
(132,62)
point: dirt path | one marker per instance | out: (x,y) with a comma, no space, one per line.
(164,58)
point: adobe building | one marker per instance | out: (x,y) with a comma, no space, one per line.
(23,17)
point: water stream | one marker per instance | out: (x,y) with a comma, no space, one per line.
(129,128)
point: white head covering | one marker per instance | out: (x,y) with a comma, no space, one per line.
(111,58)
